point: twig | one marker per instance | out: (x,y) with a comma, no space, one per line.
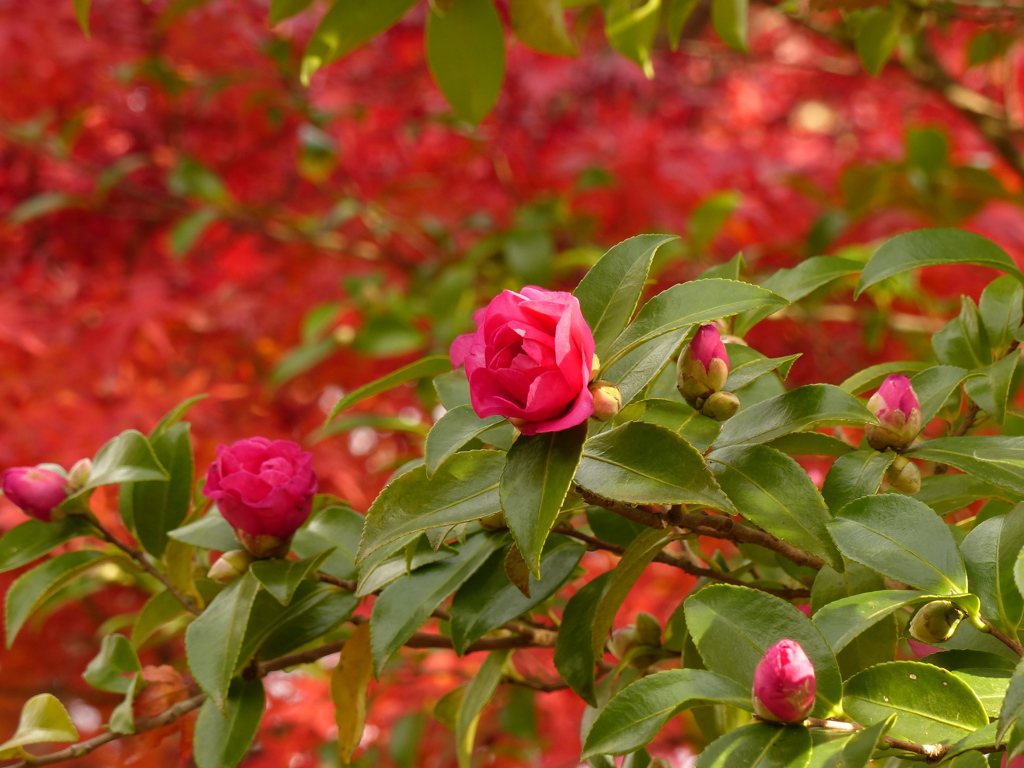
(140,558)
(536,685)
(647,515)
(930,751)
(1009,642)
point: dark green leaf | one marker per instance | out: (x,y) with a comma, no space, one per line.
(810,444)
(161,506)
(699,431)
(452,431)
(223,739)
(987,674)
(211,531)
(745,373)
(540,24)
(402,556)
(1013,706)
(873,376)
(1002,311)
(988,458)
(990,553)
(759,745)
(282,577)
(574,650)
(991,388)
(313,611)
(127,458)
(336,527)
(878,37)
(635,371)
(934,386)
(34,538)
(157,613)
(729,18)
(949,492)
(479,692)
(854,476)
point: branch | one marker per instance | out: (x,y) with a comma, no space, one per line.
(1009,642)
(930,751)
(724,527)
(645,514)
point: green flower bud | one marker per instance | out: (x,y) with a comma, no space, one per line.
(721,406)
(607,400)
(904,476)
(935,622)
(79,475)
(648,630)
(230,566)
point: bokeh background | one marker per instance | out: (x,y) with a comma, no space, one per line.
(178,215)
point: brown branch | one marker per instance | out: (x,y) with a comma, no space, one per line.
(536,685)
(645,514)
(930,751)
(683,563)
(724,527)
(1009,642)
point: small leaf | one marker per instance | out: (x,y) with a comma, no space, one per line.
(211,531)
(878,37)
(173,416)
(518,571)
(285,9)
(729,18)
(163,505)
(1002,311)
(934,386)
(108,668)
(223,739)
(1013,705)
(574,650)
(421,369)
(854,476)
(873,376)
(679,12)
(479,692)
(758,745)
(126,458)
(451,432)
(282,577)
(82,14)
(43,719)
(338,528)
(537,476)
(631,28)
(540,24)
(188,230)
(991,388)
(466,54)
(349,683)
(156,614)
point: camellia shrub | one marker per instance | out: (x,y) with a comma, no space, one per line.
(871,616)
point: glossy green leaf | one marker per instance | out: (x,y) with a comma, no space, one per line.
(408,602)
(534,482)
(574,650)
(931,704)
(934,386)
(927,247)
(678,13)
(479,692)
(774,492)
(157,613)
(173,416)
(466,54)
(647,464)
(963,341)
(987,674)
(34,587)
(421,369)
(1002,311)
(540,24)
(802,408)
(810,444)
(1013,705)
(878,37)
(336,528)
(347,25)
(465,488)
(990,553)
(609,292)
(729,18)
(222,739)
(452,431)
(488,599)
(281,577)
(211,531)
(127,458)
(873,376)
(990,389)
(988,458)
(854,476)
(634,372)
(396,559)
(313,611)
(699,431)
(950,492)
(759,745)
(108,668)
(698,301)
(745,373)
(631,28)
(903,539)
(161,506)
(34,538)
(637,714)
(732,628)
(214,639)
(43,719)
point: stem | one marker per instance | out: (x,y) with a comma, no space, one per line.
(651,516)
(140,558)
(931,751)
(1009,642)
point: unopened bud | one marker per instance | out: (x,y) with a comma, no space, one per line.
(904,476)
(607,400)
(495,522)
(721,406)
(936,622)
(648,630)
(79,475)
(630,647)
(703,368)
(38,492)
(784,683)
(898,411)
(263,545)
(230,566)
(622,640)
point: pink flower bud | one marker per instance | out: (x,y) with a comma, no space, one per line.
(607,400)
(898,411)
(703,367)
(784,683)
(36,491)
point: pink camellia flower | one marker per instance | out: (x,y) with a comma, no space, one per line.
(896,406)
(265,489)
(784,683)
(703,367)
(35,490)
(529,360)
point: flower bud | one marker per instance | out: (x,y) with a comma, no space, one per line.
(648,630)
(936,622)
(721,406)
(784,683)
(622,640)
(263,545)
(230,566)
(36,491)
(79,475)
(629,645)
(904,476)
(898,411)
(607,400)
(703,367)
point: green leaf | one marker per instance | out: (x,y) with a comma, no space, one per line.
(698,301)
(82,14)
(927,247)
(463,489)
(488,599)
(878,37)
(574,650)
(988,458)
(802,408)
(631,29)
(647,464)
(934,386)
(421,369)
(408,602)
(796,283)
(637,714)
(710,216)
(679,12)
(991,389)
(282,577)
(534,482)
(34,587)
(990,553)
(635,371)
(173,416)
(810,444)
(466,54)
(211,531)
(540,24)
(285,9)
(313,611)
(745,373)
(1002,311)
(699,431)
(854,476)
(774,492)
(126,458)
(108,668)
(609,292)
(336,528)
(987,674)
(452,431)
(222,739)
(479,692)
(873,376)
(347,25)
(34,538)
(963,341)
(903,539)
(931,705)
(162,505)
(188,230)
(158,612)
(759,745)
(1013,705)
(729,18)
(350,681)
(396,559)
(41,205)
(948,493)
(732,628)
(213,640)
(43,719)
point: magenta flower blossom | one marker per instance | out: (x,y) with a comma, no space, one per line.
(898,411)
(703,367)
(36,491)
(784,683)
